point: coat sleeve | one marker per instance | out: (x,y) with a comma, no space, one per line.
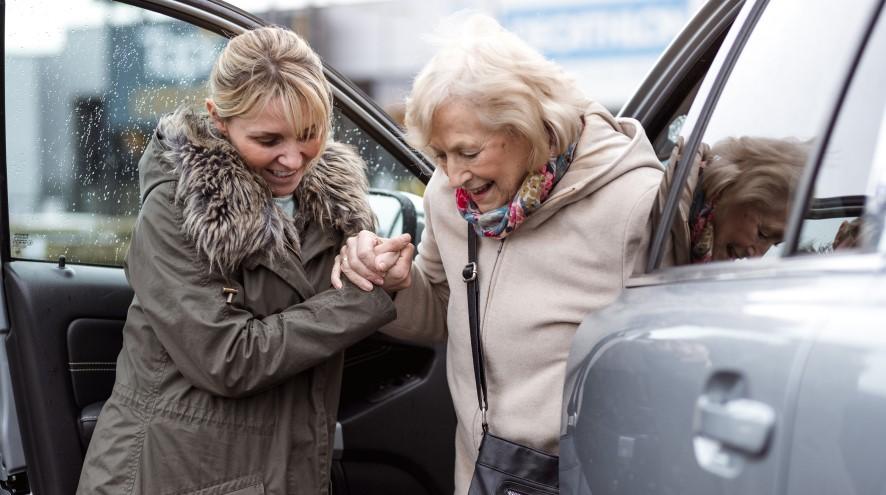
(422,308)
(223,348)
(640,225)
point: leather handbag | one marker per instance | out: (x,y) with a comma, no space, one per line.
(503,467)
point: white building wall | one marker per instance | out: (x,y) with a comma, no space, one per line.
(608,45)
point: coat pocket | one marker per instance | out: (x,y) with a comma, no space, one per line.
(244,485)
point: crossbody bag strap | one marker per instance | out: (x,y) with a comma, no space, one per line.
(469,275)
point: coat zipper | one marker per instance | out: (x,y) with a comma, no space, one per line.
(491,285)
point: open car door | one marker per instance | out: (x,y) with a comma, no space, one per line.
(78,113)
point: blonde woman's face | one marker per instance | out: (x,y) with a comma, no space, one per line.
(270,147)
(489,165)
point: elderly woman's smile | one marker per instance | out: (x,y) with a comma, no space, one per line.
(489,164)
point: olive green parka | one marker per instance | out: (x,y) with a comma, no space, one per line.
(229,376)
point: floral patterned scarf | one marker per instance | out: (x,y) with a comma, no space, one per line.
(701,235)
(701,217)
(536,187)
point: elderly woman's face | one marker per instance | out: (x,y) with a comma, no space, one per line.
(489,165)
(745,232)
(270,147)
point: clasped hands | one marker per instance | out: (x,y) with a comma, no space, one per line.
(368,260)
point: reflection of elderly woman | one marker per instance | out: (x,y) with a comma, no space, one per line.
(741,209)
(560,192)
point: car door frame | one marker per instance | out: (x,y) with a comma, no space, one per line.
(13,464)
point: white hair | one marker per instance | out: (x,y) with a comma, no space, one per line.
(511,85)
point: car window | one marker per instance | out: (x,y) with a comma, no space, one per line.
(765,122)
(667,139)
(391,183)
(81,103)
(79,111)
(834,219)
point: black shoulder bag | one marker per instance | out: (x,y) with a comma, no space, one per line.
(502,467)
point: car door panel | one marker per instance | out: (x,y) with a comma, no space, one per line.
(839,440)
(44,301)
(93,345)
(639,423)
(397,384)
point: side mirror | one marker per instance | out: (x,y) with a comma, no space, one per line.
(397,212)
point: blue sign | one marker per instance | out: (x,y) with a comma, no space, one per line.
(610,29)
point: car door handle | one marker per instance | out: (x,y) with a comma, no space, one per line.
(740,424)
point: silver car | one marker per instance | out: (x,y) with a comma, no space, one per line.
(763,375)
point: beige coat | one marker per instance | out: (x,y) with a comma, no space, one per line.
(215,398)
(571,256)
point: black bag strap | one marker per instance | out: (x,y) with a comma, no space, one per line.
(469,275)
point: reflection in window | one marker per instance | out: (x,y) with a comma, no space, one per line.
(83,112)
(740,204)
(775,102)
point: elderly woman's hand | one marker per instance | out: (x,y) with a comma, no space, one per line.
(399,275)
(367,259)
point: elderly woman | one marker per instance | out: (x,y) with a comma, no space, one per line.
(741,208)
(560,192)
(230,371)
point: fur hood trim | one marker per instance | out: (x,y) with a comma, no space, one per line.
(228,209)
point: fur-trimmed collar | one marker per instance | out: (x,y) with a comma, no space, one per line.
(228,209)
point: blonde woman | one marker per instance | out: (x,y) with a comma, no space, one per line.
(560,192)
(229,375)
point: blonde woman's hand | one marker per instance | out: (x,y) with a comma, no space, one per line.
(366,258)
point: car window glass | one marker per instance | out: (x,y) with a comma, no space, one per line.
(766,119)
(81,103)
(834,219)
(390,182)
(80,110)
(667,139)
(385,171)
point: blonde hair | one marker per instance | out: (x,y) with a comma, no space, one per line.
(756,172)
(511,85)
(267,64)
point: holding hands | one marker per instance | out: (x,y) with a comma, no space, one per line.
(367,260)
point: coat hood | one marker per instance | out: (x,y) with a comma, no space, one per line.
(228,210)
(608,148)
